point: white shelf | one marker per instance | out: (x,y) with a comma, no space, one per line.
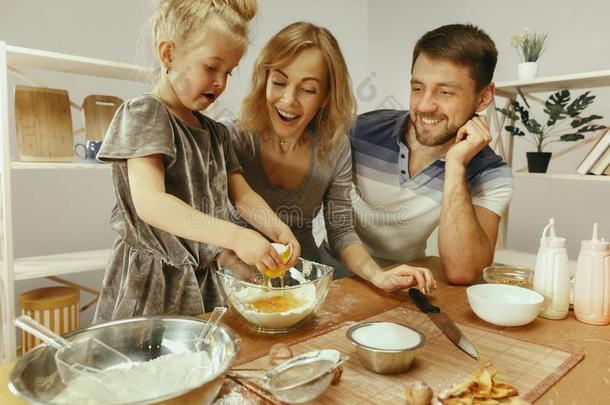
(551,176)
(553,83)
(24,58)
(17,165)
(17,59)
(56,265)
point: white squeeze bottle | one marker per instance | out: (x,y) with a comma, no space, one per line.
(592,285)
(551,276)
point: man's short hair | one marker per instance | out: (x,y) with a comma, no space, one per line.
(462,44)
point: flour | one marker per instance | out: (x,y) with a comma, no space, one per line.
(152,379)
(242,299)
(386,336)
(237,396)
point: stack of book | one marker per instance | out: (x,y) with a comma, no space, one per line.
(597,161)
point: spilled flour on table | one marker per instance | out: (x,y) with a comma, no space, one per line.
(237,396)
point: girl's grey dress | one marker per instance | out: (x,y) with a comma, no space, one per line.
(151,271)
(328,184)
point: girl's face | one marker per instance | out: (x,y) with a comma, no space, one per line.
(199,74)
(295,92)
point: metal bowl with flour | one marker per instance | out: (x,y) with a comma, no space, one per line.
(171,343)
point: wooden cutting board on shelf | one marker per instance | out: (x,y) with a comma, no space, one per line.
(529,367)
(44,124)
(98,111)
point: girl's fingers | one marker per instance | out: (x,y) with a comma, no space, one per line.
(275,257)
(260,266)
(296,252)
(269,263)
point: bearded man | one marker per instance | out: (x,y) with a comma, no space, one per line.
(432,165)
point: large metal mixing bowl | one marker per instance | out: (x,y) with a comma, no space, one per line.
(35,378)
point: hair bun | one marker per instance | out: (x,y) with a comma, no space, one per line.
(245,8)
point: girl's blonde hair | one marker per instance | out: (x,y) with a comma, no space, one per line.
(334,118)
(184,21)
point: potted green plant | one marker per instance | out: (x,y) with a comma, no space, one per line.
(563,124)
(529,46)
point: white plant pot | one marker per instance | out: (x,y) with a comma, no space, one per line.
(528,70)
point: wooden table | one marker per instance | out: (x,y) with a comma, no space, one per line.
(352,299)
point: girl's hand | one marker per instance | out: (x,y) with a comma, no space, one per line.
(286,237)
(404,276)
(254,249)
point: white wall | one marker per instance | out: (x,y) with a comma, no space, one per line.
(67,211)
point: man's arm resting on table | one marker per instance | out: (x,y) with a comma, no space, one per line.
(467,233)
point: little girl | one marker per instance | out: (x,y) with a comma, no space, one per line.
(174,172)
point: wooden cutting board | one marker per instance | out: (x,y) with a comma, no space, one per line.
(530,367)
(98,111)
(44,124)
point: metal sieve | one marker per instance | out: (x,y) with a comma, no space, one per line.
(300,379)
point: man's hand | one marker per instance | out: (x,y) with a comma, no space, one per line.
(470,139)
(402,277)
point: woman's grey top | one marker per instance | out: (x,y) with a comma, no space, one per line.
(327,184)
(151,271)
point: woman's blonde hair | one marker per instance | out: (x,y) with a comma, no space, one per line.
(334,118)
(184,21)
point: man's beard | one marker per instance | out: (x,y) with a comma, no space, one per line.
(441,139)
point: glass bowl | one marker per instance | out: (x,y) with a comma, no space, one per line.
(278,305)
(511,275)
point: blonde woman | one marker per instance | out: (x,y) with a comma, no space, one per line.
(291,142)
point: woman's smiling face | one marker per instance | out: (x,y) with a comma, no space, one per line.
(295,92)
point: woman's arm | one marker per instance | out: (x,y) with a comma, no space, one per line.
(357,259)
(168,213)
(342,237)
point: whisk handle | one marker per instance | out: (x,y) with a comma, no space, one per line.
(46,335)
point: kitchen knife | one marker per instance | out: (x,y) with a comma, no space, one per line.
(443,322)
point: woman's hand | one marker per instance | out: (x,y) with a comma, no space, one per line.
(286,236)
(254,249)
(402,277)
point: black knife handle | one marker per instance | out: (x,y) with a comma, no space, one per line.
(422,302)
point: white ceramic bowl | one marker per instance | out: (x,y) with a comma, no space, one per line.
(504,305)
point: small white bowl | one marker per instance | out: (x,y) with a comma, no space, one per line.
(504,305)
